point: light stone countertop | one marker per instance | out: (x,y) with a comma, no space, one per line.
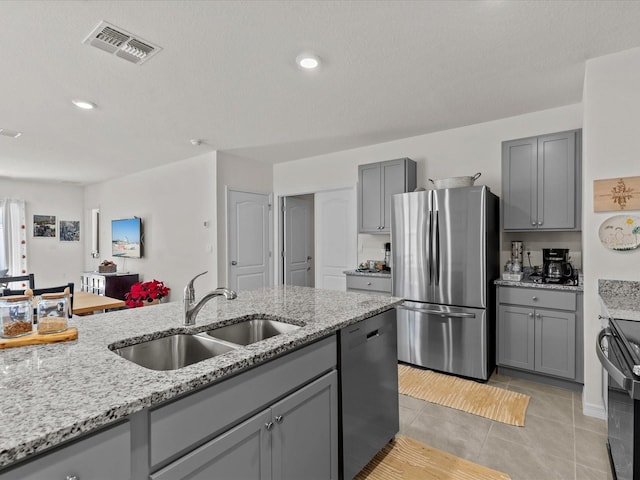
(621,299)
(57,392)
(358,273)
(544,286)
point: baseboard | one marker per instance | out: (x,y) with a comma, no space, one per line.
(596,411)
(539,378)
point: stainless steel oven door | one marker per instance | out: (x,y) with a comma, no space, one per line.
(621,408)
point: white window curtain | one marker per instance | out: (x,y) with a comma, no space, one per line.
(13,237)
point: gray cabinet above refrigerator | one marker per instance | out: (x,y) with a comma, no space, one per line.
(376,183)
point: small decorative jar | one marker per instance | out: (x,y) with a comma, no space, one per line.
(17,315)
(52,312)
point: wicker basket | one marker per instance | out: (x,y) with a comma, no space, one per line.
(107,268)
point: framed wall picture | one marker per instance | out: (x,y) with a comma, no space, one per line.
(616,194)
(69,231)
(44,226)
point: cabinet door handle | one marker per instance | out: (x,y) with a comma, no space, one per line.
(268,425)
(537,315)
(534,298)
(72,477)
(539,223)
(279,419)
(368,283)
(530,314)
(533,224)
(233,262)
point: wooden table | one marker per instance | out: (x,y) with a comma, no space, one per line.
(85,303)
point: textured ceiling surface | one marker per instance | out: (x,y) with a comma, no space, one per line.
(226,75)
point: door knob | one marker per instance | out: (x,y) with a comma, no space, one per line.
(233,262)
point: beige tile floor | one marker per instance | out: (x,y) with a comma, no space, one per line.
(557,441)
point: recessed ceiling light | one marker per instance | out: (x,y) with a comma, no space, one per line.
(308,61)
(9,133)
(83,104)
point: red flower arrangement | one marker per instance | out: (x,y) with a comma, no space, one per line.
(145,292)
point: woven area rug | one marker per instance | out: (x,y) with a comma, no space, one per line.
(408,459)
(479,399)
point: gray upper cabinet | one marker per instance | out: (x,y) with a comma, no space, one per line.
(376,183)
(541,187)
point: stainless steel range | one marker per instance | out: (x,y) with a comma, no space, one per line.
(618,349)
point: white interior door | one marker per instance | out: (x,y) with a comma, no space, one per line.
(336,237)
(248,242)
(298,246)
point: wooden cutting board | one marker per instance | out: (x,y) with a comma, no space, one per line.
(37,338)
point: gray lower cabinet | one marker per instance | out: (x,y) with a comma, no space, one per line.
(376,183)
(242,453)
(278,420)
(106,454)
(369,284)
(541,182)
(539,334)
(295,438)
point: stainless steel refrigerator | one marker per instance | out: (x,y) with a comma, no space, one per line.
(445,252)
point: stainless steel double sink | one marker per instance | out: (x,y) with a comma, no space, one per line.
(179,350)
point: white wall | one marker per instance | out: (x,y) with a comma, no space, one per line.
(242,174)
(457,152)
(611,122)
(174,202)
(53,262)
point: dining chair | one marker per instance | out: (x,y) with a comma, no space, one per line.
(40,291)
(4,281)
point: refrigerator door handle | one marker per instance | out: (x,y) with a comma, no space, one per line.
(438,312)
(436,241)
(430,252)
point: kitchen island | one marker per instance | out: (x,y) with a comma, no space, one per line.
(52,394)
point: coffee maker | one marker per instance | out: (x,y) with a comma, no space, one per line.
(556,267)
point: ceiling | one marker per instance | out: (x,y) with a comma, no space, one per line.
(226,74)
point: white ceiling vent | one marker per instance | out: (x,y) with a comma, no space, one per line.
(121,43)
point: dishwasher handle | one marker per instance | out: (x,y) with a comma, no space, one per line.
(373,334)
(358,337)
(619,377)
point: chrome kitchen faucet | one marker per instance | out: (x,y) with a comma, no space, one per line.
(191,308)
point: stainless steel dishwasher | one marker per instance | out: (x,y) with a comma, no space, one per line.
(369,390)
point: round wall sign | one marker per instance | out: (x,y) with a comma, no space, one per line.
(620,232)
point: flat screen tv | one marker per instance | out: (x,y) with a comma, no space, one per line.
(126,235)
